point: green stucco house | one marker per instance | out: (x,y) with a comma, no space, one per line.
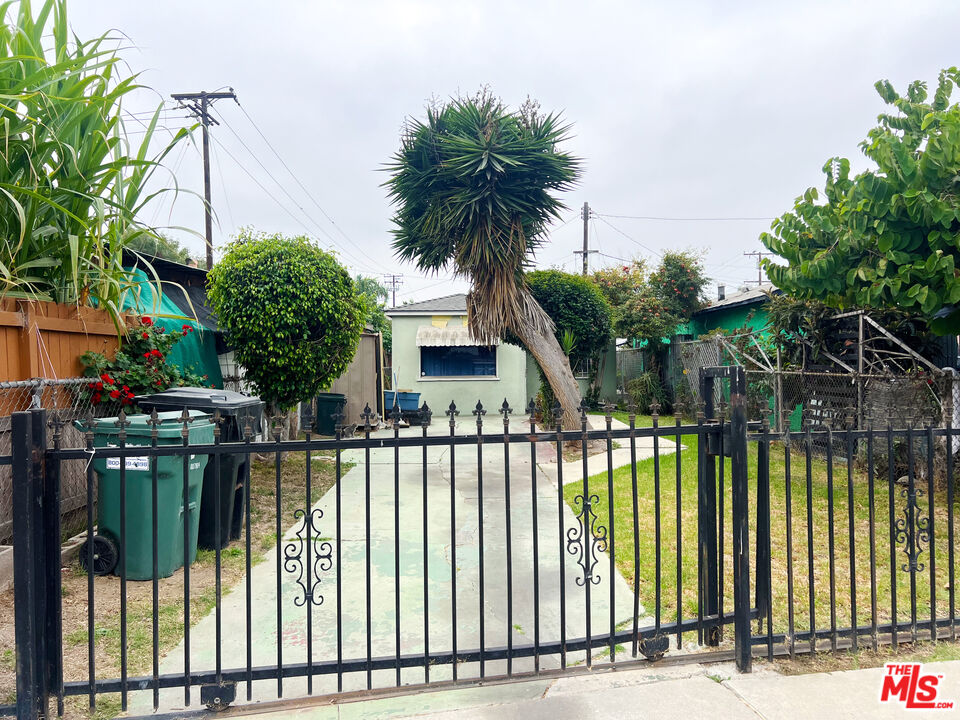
(434,355)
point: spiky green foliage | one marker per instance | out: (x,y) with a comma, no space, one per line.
(890,236)
(71,183)
(473,185)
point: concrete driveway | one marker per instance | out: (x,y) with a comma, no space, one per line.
(351,572)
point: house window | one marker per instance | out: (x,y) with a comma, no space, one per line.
(583,368)
(458,361)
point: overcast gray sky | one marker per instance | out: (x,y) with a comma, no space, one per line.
(680,110)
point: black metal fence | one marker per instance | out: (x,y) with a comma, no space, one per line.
(477,547)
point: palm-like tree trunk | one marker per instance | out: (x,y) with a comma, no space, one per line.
(543,345)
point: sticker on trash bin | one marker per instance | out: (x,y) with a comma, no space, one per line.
(141,463)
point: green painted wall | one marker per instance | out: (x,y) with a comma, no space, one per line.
(752,316)
(510,381)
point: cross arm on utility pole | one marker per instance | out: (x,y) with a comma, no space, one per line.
(198,103)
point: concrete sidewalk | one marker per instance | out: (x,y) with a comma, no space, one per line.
(682,692)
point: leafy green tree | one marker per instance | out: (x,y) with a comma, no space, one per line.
(576,305)
(160,245)
(650,306)
(581,318)
(679,282)
(291,312)
(375,296)
(473,185)
(890,236)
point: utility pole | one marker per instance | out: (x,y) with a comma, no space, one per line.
(586,239)
(199,105)
(758,255)
(393,281)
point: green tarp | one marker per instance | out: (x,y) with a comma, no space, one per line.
(196,351)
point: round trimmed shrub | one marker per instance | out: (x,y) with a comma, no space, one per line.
(291,313)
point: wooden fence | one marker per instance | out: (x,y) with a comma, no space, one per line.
(46,340)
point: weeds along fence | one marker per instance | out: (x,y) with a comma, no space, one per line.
(61,398)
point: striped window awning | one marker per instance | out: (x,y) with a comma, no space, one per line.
(451,336)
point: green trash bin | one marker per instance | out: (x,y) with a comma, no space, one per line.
(137,548)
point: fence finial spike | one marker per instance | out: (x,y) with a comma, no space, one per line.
(557,411)
(154,423)
(505,409)
(425,414)
(366,415)
(655,408)
(531,407)
(583,407)
(479,411)
(395,415)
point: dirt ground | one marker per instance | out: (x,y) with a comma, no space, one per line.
(139,615)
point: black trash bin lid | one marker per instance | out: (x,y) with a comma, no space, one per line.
(227,402)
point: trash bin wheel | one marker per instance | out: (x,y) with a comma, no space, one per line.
(105,555)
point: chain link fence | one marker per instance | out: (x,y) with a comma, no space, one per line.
(63,398)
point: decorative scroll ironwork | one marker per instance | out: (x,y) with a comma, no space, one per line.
(911,530)
(577,539)
(294,561)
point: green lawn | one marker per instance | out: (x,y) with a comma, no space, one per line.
(646,568)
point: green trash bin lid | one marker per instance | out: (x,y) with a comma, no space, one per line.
(169,424)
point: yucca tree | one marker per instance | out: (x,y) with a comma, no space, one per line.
(474,189)
(72,185)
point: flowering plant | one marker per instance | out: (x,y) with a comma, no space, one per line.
(138,367)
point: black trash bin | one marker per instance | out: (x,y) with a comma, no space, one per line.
(234,408)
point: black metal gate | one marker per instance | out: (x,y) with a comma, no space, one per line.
(449,553)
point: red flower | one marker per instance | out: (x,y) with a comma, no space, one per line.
(107,379)
(147,355)
(186,329)
(145,320)
(156,353)
(95,399)
(91,386)
(125,401)
(114,394)
(99,386)
(145,335)
(126,389)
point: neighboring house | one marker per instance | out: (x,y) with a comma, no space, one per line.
(434,355)
(733,312)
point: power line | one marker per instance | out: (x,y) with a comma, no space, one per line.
(293,175)
(296,203)
(602,219)
(688,219)
(223,186)
(270,195)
